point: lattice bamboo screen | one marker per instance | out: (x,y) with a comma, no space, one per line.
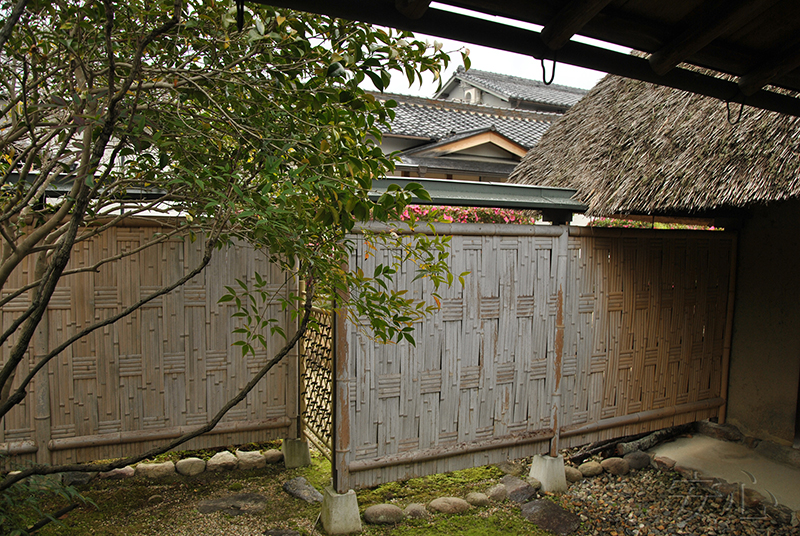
(643,322)
(160,371)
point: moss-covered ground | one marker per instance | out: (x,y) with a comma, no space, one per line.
(136,507)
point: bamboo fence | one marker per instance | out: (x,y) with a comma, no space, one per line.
(151,376)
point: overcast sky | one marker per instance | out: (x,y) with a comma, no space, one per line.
(496,61)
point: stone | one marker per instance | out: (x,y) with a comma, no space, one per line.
(637,459)
(222,461)
(250,460)
(477,499)
(383,514)
(663,463)
(590,469)
(796,519)
(519,491)
(687,472)
(234,505)
(615,466)
(498,492)
(155,470)
(724,432)
(549,516)
(190,466)
(780,513)
(549,471)
(572,474)
(449,505)
(340,512)
(416,511)
(120,473)
(301,489)
(77,478)
(296,453)
(273,456)
(535,484)
(512,468)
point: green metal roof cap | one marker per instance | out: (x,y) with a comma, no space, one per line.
(486,194)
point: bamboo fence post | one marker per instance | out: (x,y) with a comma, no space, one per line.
(561,243)
(726,350)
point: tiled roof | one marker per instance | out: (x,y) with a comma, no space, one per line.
(438,120)
(515,87)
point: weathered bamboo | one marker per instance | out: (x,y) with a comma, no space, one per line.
(138,436)
(726,349)
(19,447)
(644,416)
(448,452)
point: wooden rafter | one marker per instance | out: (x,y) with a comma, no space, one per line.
(569,21)
(770,71)
(413,9)
(706,27)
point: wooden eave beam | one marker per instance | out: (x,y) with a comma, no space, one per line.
(569,21)
(503,37)
(703,30)
(772,70)
(413,9)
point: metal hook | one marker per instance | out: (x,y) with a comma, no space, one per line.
(544,71)
(728,108)
(240,14)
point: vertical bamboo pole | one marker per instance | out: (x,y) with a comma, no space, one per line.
(341,401)
(301,371)
(726,350)
(561,244)
(41,344)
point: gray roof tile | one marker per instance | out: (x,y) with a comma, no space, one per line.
(438,120)
(515,87)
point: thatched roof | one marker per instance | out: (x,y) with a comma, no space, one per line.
(630,147)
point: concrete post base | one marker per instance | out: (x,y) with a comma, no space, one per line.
(550,472)
(340,512)
(296,453)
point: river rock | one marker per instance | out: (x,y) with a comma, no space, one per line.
(155,470)
(449,505)
(190,466)
(663,463)
(518,490)
(572,474)
(477,499)
(637,459)
(549,516)
(498,492)
(615,466)
(234,505)
(300,488)
(383,514)
(273,456)
(118,474)
(222,461)
(77,478)
(416,511)
(590,469)
(250,460)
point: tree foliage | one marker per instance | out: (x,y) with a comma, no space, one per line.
(112,110)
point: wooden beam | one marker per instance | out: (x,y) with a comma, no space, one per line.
(413,9)
(569,21)
(773,70)
(706,27)
(521,41)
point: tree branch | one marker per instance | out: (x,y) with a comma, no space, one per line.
(46,470)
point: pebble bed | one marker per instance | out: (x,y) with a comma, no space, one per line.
(649,502)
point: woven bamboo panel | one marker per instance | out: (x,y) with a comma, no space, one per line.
(643,323)
(167,367)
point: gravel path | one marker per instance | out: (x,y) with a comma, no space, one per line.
(649,502)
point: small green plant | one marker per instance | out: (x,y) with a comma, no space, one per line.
(34,502)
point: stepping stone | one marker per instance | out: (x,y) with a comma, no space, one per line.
(234,505)
(549,516)
(383,514)
(301,489)
(449,505)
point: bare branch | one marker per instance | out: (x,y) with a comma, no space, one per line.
(11,21)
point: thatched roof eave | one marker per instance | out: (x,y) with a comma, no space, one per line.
(631,147)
